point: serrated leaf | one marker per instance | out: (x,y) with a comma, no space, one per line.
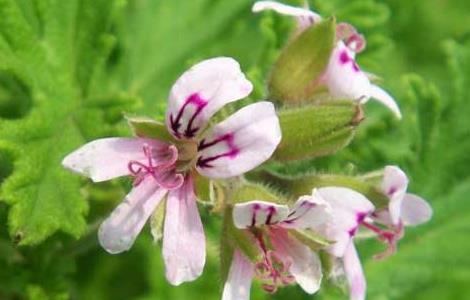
(294,75)
(55,58)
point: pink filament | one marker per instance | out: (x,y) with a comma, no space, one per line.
(273,270)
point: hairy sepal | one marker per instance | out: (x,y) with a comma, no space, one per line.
(149,128)
(317,130)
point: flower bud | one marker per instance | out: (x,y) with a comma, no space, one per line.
(318,130)
(297,73)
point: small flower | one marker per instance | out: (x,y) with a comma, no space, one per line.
(343,76)
(404,209)
(352,210)
(284,259)
(166,168)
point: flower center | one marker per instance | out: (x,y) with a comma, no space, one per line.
(159,164)
(390,237)
(273,271)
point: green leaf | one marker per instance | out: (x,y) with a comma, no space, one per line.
(50,60)
(295,74)
(318,130)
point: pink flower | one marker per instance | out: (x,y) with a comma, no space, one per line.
(284,259)
(343,76)
(165,169)
(404,209)
(351,210)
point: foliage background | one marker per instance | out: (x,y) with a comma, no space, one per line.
(68,69)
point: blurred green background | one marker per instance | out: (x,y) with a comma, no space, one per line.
(69,68)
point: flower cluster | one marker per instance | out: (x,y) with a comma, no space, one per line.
(269,237)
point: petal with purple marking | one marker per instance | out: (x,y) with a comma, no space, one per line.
(240,276)
(184,244)
(349,208)
(201,91)
(383,97)
(256,213)
(343,76)
(118,232)
(308,212)
(415,210)
(107,158)
(240,143)
(354,273)
(303,16)
(305,264)
(394,185)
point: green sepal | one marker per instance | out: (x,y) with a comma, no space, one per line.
(295,75)
(304,185)
(203,189)
(248,191)
(147,127)
(233,238)
(310,239)
(157,220)
(317,130)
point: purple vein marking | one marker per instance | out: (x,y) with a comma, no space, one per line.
(271,211)
(256,207)
(292,217)
(345,59)
(204,162)
(175,123)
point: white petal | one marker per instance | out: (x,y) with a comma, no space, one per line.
(240,276)
(349,208)
(108,158)
(354,274)
(256,213)
(303,16)
(344,78)
(119,231)
(383,97)
(240,143)
(308,212)
(394,185)
(184,244)
(306,265)
(201,91)
(415,210)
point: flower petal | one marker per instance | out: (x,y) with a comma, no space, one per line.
(415,210)
(184,244)
(383,97)
(305,264)
(119,231)
(240,143)
(256,213)
(201,91)
(240,276)
(108,158)
(349,208)
(343,76)
(394,185)
(354,273)
(303,16)
(308,212)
